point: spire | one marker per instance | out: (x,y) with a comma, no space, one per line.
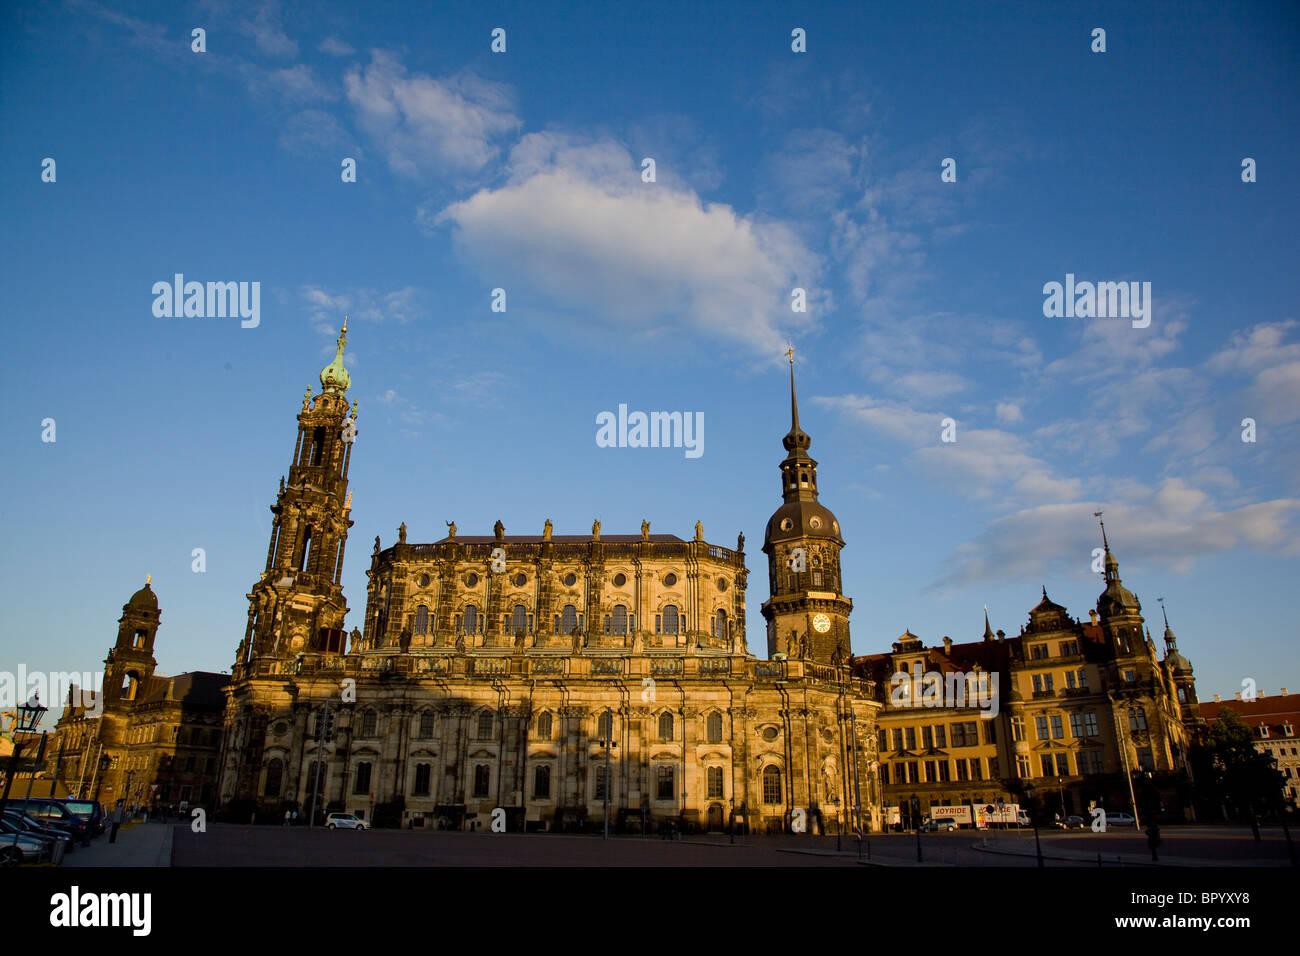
(988,631)
(796,441)
(1171,643)
(334,377)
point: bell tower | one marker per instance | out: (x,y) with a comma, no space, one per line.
(131,663)
(807,615)
(297,604)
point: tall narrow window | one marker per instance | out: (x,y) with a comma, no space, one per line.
(620,619)
(670,619)
(274,771)
(361,782)
(544,726)
(568,619)
(771,784)
(306,549)
(665,789)
(421,788)
(715,728)
(666,726)
(604,727)
(482,779)
(426,724)
(519,620)
(542,783)
(485,723)
(715,783)
(422,619)
(469,623)
(369,724)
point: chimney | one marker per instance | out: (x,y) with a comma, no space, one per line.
(1238,695)
(1216,698)
(1283,691)
(1002,635)
(1092,617)
(947,646)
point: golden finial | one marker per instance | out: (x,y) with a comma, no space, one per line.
(347,505)
(789,353)
(147,579)
(345,323)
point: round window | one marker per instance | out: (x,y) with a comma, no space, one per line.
(570,580)
(836,526)
(471,581)
(670,579)
(786,524)
(769,733)
(815,523)
(722,584)
(424,580)
(620,579)
(520,580)
(279,728)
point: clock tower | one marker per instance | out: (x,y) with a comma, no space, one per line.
(807,616)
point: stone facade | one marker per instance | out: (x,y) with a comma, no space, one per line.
(542,674)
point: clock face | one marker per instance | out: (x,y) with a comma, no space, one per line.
(821,623)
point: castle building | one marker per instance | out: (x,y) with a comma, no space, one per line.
(543,681)
(161,735)
(1273,722)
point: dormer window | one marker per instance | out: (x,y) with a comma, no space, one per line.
(1288,730)
(1263,730)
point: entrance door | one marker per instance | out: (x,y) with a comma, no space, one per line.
(715,818)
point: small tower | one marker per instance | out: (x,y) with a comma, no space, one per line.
(131,663)
(807,616)
(1119,609)
(1179,669)
(297,605)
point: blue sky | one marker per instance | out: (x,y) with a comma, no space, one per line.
(774,170)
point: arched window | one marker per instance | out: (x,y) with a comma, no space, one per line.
(771,784)
(519,620)
(670,619)
(470,622)
(274,773)
(1137,719)
(542,783)
(369,724)
(715,728)
(544,725)
(604,727)
(422,619)
(482,779)
(426,724)
(620,618)
(720,623)
(666,726)
(485,725)
(361,784)
(306,549)
(568,619)
(715,783)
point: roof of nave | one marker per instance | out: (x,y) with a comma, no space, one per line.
(558,539)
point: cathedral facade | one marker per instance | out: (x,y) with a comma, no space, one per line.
(546,681)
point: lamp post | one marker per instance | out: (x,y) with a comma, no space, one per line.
(731,819)
(609,743)
(105,761)
(29,715)
(916,822)
(1033,818)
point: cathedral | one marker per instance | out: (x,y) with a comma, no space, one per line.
(545,681)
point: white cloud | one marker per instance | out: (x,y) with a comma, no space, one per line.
(335,47)
(1009,413)
(267,33)
(429,125)
(575,221)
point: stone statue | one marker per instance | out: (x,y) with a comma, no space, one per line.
(451,530)
(355,638)
(460,641)
(282,484)
(401,533)
(645,530)
(546,530)
(595,529)
(699,531)
(740,541)
(404,640)
(376,544)
(519,639)
(499,530)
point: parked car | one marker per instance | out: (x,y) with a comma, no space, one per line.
(1072,822)
(1119,819)
(46,811)
(19,847)
(30,827)
(88,810)
(345,821)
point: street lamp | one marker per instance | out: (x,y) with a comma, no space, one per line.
(105,762)
(731,819)
(916,822)
(25,721)
(1033,818)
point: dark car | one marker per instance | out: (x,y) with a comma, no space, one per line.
(16,820)
(46,812)
(90,811)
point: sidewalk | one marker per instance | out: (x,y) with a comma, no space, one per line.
(1114,859)
(145,844)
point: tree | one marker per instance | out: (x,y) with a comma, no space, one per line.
(1232,772)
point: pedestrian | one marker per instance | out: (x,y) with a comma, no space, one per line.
(287,816)
(295,818)
(1153,839)
(1254,827)
(116,820)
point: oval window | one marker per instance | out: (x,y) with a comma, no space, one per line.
(815,523)
(786,524)
(424,580)
(769,733)
(722,584)
(670,579)
(570,580)
(520,580)
(472,580)
(620,579)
